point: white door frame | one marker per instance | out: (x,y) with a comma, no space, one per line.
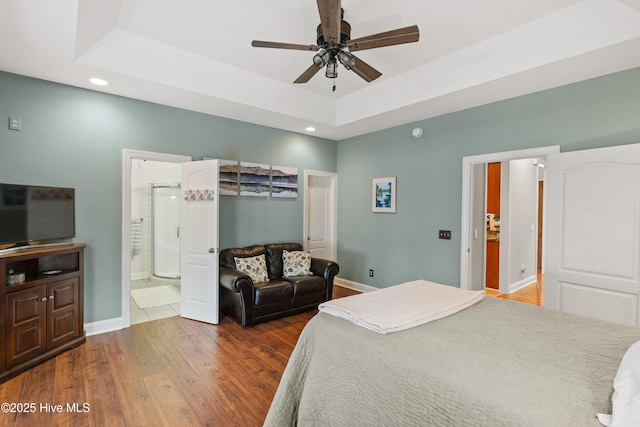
(467,169)
(128,156)
(333,232)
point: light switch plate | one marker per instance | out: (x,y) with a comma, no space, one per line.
(444,234)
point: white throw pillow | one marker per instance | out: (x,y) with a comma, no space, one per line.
(296,263)
(626,394)
(255,267)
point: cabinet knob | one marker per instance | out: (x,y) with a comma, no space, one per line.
(51,297)
(44,299)
(212,250)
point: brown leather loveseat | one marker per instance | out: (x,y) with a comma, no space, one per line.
(281,294)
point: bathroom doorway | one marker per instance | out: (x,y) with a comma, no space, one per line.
(155,240)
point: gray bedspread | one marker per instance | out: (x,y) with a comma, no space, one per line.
(497,363)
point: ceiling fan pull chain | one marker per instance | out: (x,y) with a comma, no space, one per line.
(333,89)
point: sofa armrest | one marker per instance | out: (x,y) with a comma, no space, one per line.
(325,268)
(235,280)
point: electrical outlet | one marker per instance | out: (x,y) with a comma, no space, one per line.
(444,234)
(15,123)
(371,273)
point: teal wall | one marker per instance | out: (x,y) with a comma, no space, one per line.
(74,137)
(405,246)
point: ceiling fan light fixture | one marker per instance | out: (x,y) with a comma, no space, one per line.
(332,69)
(347,59)
(321,58)
(334,43)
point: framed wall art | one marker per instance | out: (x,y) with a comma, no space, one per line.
(254,179)
(229,183)
(284,181)
(383,197)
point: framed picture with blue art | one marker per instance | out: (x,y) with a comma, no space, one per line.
(383,198)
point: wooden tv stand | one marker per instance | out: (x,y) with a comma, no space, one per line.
(43,315)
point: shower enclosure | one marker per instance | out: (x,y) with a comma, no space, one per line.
(165,231)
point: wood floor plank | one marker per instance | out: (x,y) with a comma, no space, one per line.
(94,356)
(207,409)
(70,389)
(11,392)
(169,401)
(41,396)
(103,400)
(138,408)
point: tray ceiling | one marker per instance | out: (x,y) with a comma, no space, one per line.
(197,54)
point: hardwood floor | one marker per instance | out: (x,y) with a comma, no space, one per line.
(532,294)
(170,372)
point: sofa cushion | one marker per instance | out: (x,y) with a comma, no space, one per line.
(306,285)
(255,267)
(272,291)
(274,257)
(296,263)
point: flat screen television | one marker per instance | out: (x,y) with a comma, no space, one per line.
(29,212)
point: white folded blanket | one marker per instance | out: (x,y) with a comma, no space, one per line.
(402,306)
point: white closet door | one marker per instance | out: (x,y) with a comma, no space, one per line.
(592,234)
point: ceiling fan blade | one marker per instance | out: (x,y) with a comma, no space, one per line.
(306,76)
(330,19)
(365,70)
(276,45)
(389,38)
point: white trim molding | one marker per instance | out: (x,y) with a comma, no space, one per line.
(103,326)
(349,284)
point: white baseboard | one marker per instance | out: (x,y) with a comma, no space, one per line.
(102,326)
(140,275)
(514,287)
(349,284)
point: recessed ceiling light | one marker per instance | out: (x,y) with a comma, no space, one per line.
(98,82)
(310,129)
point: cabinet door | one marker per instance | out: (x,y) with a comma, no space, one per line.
(26,324)
(63,321)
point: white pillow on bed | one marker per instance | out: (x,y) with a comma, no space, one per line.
(626,392)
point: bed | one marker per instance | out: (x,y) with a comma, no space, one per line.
(493,363)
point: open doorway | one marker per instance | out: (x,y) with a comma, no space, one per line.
(514,274)
(141,170)
(155,240)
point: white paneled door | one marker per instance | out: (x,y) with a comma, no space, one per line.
(592,235)
(320,214)
(199,241)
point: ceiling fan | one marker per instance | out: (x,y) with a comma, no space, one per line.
(334,44)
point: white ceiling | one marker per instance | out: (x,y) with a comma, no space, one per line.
(197,54)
